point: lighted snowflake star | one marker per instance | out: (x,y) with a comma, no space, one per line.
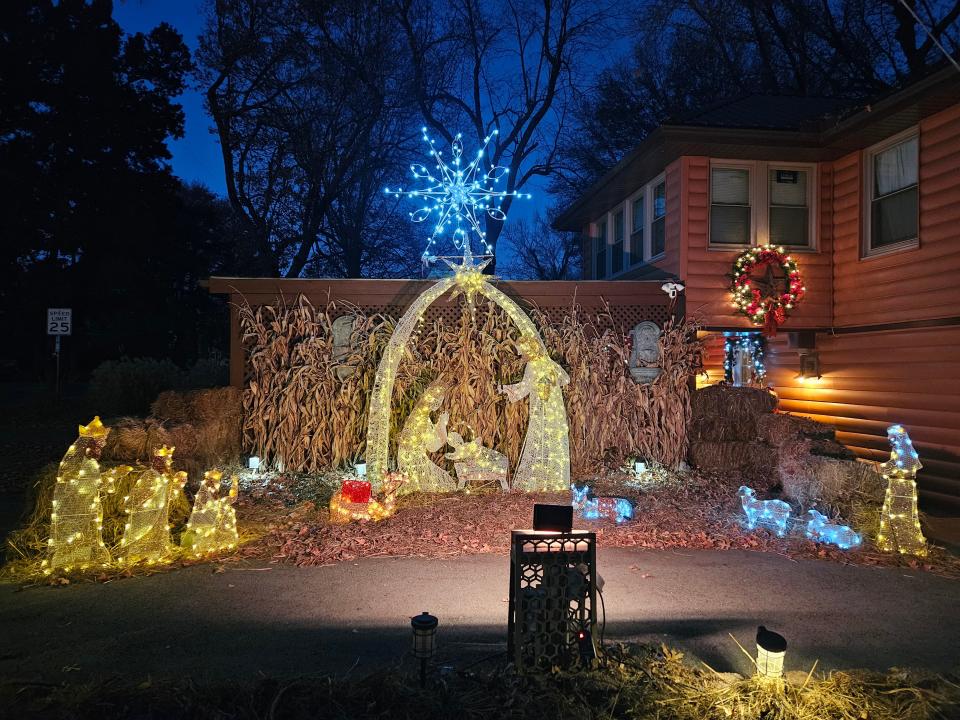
(458,197)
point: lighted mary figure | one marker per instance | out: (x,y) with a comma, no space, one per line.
(419,437)
(545,461)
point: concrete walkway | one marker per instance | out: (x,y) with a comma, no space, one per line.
(354,617)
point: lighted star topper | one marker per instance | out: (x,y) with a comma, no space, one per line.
(457,197)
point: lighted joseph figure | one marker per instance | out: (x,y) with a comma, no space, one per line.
(76,517)
(147,534)
(545,461)
(420,436)
(899,520)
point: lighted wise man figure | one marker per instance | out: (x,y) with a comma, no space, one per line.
(76,519)
(147,533)
(545,461)
(419,437)
(213,523)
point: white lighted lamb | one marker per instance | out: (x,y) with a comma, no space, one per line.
(819,528)
(768,513)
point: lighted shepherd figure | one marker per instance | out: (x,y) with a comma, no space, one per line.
(545,462)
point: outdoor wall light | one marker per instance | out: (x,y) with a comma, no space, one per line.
(809,366)
(253,463)
(771,649)
(424,640)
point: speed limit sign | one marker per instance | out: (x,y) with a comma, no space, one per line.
(59,321)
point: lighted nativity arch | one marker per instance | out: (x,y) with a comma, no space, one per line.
(544,464)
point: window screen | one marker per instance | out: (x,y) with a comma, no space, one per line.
(789,207)
(729,206)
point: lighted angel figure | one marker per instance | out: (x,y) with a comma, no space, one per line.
(146,536)
(545,461)
(76,518)
(419,437)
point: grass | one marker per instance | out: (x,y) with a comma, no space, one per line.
(629,683)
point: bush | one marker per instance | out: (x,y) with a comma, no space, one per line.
(128,386)
(207,373)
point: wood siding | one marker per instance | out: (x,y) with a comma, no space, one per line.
(913,284)
(873,380)
(705,271)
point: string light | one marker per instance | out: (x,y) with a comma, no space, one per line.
(76,515)
(754,346)
(770,311)
(772,514)
(457,195)
(146,536)
(819,528)
(419,437)
(899,519)
(590,507)
(354,502)
(213,522)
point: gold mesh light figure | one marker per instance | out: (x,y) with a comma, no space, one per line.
(213,523)
(76,518)
(899,519)
(146,536)
(545,462)
(420,436)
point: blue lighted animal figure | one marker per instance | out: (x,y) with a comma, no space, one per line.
(772,514)
(819,528)
(592,507)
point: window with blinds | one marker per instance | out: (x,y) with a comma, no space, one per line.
(893,187)
(789,208)
(730,209)
(636,230)
(616,250)
(658,223)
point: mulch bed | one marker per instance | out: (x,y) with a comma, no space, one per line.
(695,511)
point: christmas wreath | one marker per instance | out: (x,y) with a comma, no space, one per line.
(766,299)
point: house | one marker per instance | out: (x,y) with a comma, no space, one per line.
(866,200)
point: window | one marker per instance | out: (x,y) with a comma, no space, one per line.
(892,217)
(789,210)
(730,211)
(600,251)
(658,224)
(616,260)
(756,202)
(636,230)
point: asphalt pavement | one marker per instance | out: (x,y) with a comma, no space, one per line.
(353,618)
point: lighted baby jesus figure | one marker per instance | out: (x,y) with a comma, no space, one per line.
(419,437)
(545,461)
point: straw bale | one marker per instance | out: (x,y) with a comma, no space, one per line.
(727,399)
(190,406)
(721,456)
(828,482)
(781,428)
(723,428)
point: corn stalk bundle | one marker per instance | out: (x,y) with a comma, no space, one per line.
(305,406)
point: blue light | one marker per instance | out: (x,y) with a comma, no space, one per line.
(819,528)
(591,507)
(772,514)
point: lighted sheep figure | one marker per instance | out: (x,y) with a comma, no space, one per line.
(591,507)
(773,514)
(819,528)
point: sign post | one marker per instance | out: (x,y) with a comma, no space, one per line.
(59,323)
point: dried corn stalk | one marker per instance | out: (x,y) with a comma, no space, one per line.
(305,409)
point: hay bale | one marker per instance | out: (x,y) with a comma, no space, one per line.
(191,406)
(722,456)
(835,484)
(727,399)
(723,428)
(778,429)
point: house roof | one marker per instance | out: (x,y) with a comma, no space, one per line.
(758,127)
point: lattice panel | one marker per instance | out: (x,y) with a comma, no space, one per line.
(552,597)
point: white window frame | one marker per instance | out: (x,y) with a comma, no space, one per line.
(760,201)
(648,219)
(594,249)
(627,207)
(866,241)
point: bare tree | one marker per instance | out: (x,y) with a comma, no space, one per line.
(309,105)
(535,251)
(505,65)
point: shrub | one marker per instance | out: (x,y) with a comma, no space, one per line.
(128,386)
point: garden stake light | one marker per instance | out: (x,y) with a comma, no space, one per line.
(771,649)
(424,641)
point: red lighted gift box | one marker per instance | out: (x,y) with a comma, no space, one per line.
(355,491)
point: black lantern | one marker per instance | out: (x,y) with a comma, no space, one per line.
(424,640)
